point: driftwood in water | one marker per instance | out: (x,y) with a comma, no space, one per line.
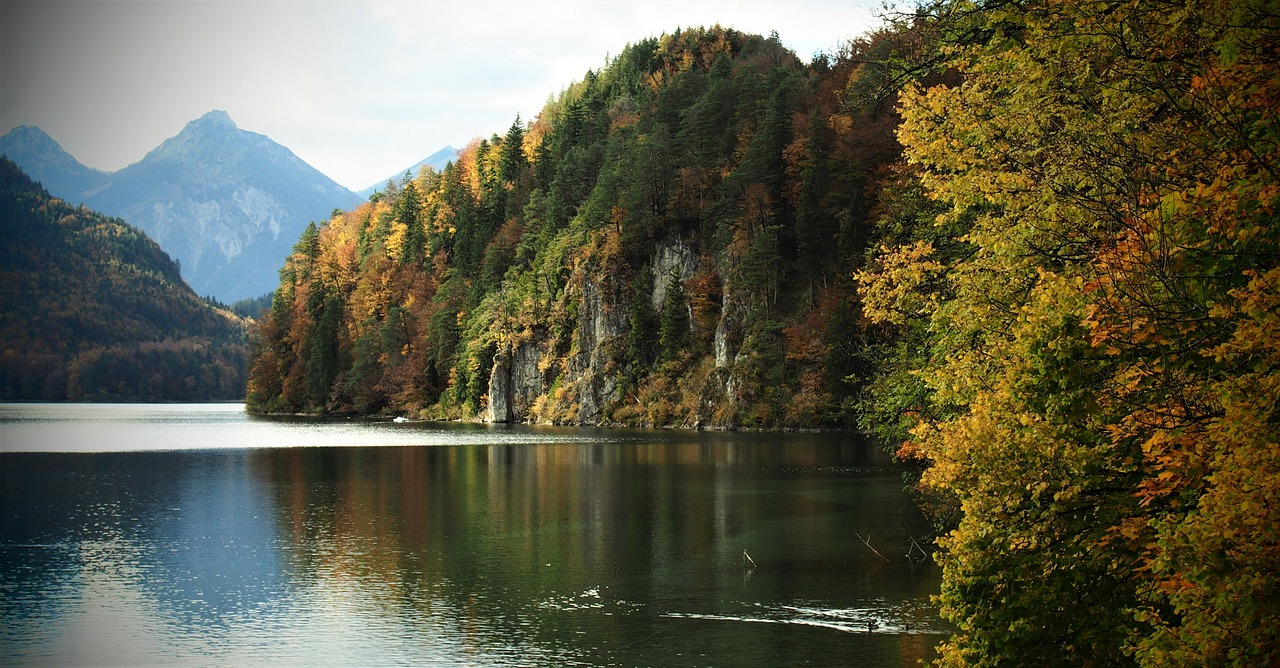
(867,541)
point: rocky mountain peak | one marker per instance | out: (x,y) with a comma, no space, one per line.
(32,137)
(217,117)
(225,202)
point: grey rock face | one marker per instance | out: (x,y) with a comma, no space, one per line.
(527,382)
(600,326)
(515,383)
(499,408)
(672,261)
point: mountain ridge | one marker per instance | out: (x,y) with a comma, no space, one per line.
(93,309)
(225,202)
(44,160)
(436,161)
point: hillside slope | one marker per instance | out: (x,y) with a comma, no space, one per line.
(226,203)
(92,309)
(668,243)
(45,161)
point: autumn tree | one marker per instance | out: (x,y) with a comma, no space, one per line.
(1103,357)
(702,144)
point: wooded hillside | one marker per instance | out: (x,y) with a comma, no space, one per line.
(669,242)
(91,309)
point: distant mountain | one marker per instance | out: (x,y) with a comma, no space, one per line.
(226,203)
(437,161)
(92,309)
(44,160)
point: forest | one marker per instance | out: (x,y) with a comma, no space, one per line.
(1030,246)
(667,243)
(93,310)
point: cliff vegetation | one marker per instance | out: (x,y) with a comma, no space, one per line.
(667,243)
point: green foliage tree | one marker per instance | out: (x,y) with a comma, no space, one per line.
(408,212)
(673,324)
(1093,353)
(513,157)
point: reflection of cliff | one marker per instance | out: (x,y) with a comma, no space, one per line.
(560,550)
(621,551)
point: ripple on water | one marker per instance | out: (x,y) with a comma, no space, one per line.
(910,618)
(588,599)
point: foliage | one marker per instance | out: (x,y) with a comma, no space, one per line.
(651,234)
(252,307)
(93,310)
(1093,330)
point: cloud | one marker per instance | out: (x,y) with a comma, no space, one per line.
(359,89)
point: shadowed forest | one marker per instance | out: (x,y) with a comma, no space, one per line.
(94,310)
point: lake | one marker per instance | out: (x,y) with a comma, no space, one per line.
(199,535)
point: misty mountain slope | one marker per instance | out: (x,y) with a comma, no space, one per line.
(437,161)
(92,309)
(226,203)
(45,161)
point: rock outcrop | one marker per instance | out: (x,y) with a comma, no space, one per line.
(673,260)
(515,383)
(593,373)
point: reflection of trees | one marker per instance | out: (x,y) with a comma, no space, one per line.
(514,542)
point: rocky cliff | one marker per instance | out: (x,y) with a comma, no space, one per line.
(670,242)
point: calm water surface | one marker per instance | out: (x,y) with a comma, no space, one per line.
(197,535)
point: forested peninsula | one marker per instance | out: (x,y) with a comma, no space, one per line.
(1031,246)
(669,242)
(91,309)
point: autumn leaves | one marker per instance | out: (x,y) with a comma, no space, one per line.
(1100,344)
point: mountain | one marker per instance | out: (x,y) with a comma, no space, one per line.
(92,309)
(226,203)
(670,242)
(436,161)
(45,161)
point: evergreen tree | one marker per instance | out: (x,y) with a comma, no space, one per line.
(673,327)
(513,157)
(409,212)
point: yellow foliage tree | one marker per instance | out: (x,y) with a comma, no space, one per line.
(1110,347)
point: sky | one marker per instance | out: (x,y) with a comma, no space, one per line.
(359,89)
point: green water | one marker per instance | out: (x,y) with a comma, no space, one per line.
(198,535)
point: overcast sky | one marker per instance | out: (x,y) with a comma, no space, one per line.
(358,89)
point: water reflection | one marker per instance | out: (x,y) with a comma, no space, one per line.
(621,551)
